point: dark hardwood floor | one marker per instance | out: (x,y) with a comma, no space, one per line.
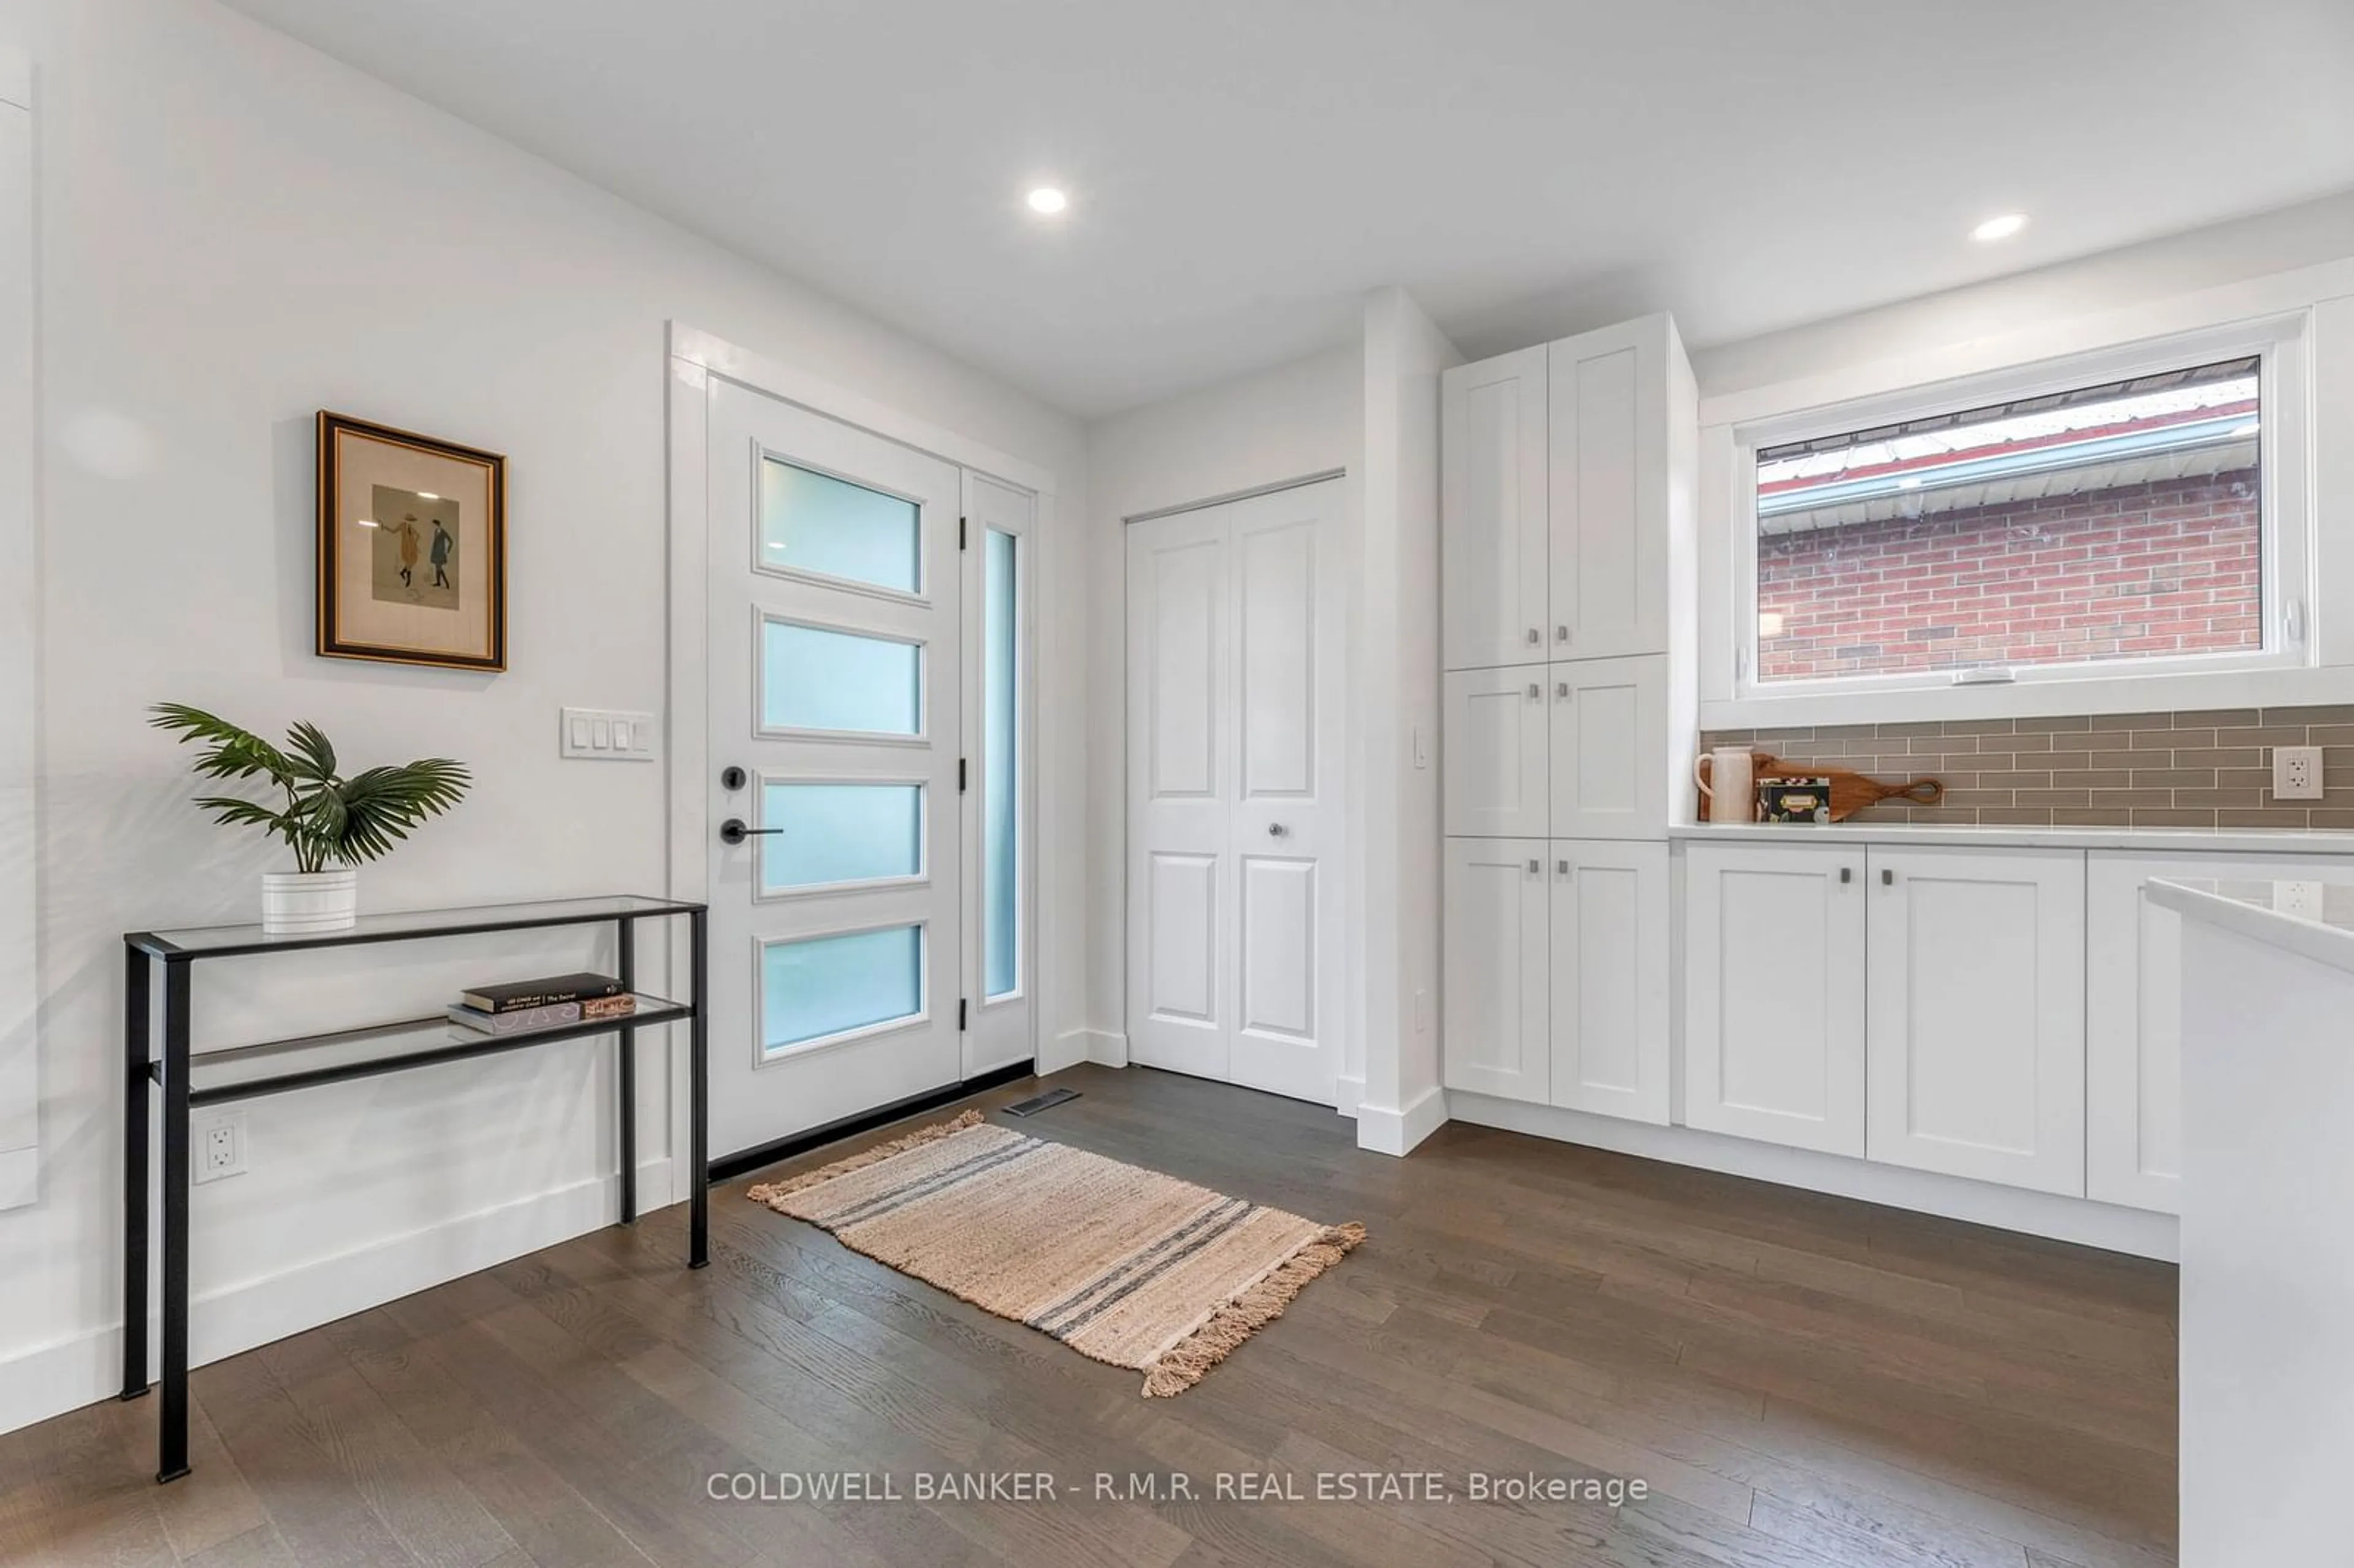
(1803,1382)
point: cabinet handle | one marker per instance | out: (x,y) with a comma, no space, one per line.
(1535,691)
(1887,877)
(1846,874)
(1561,635)
(1562,866)
(1535,866)
(1535,637)
(1562,691)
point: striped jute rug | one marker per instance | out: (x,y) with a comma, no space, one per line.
(1125,1265)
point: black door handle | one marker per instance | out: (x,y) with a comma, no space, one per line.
(734,831)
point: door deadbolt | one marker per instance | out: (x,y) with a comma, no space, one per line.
(731,779)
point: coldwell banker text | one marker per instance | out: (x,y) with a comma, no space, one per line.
(1170,1486)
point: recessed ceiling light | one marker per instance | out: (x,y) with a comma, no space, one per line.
(1999,228)
(1047,199)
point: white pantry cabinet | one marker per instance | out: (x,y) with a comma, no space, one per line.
(1607,409)
(2133,997)
(1774,1016)
(1609,995)
(1607,735)
(1493,551)
(1495,953)
(1976,981)
(1497,760)
(1559,493)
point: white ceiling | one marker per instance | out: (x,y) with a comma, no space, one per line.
(1242,170)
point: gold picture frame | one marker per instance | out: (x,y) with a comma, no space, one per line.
(412,547)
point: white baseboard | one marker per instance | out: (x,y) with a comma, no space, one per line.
(1106,1047)
(1067,1049)
(68,1373)
(2079,1220)
(1346,1093)
(20,1176)
(1386,1131)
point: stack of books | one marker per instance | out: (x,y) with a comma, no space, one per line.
(548,1003)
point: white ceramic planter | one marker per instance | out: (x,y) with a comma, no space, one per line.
(295,902)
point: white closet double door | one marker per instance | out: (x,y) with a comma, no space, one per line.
(1234,688)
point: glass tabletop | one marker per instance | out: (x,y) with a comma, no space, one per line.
(219,941)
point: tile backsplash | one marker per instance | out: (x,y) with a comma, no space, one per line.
(2202,769)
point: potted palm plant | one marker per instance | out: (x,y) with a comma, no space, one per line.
(331,823)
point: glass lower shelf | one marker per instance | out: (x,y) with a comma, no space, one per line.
(276,1066)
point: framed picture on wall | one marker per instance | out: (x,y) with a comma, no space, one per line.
(412,548)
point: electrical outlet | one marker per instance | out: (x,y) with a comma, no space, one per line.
(2297,773)
(220,1147)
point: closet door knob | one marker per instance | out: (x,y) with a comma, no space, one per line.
(1276,830)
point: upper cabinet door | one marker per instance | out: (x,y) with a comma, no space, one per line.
(1492,548)
(1977,985)
(1493,752)
(1609,1001)
(1773,1037)
(1494,986)
(1608,410)
(1609,741)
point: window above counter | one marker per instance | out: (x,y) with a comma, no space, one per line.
(2129,526)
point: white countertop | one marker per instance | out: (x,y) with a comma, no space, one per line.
(2154,841)
(2313,919)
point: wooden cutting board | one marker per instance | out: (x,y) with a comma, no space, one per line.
(1852,791)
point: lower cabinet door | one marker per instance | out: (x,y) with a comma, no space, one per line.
(1496,992)
(1494,758)
(1774,1013)
(1977,981)
(1609,991)
(2133,1013)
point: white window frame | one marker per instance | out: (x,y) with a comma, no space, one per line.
(1732,695)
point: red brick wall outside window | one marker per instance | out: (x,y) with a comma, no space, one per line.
(2131,572)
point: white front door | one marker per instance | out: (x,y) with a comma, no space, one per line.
(835,659)
(1234,686)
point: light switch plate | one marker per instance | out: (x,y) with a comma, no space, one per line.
(607,735)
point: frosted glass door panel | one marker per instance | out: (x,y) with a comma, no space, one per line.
(833,833)
(815,523)
(813,679)
(1000,789)
(819,987)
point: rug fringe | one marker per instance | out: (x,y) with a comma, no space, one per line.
(769,1193)
(1185,1363)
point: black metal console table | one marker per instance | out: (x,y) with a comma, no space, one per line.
(276,1066)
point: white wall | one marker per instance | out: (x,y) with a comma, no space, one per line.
(1397,687)
(2161,269)
(1299,419)
(236,232)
